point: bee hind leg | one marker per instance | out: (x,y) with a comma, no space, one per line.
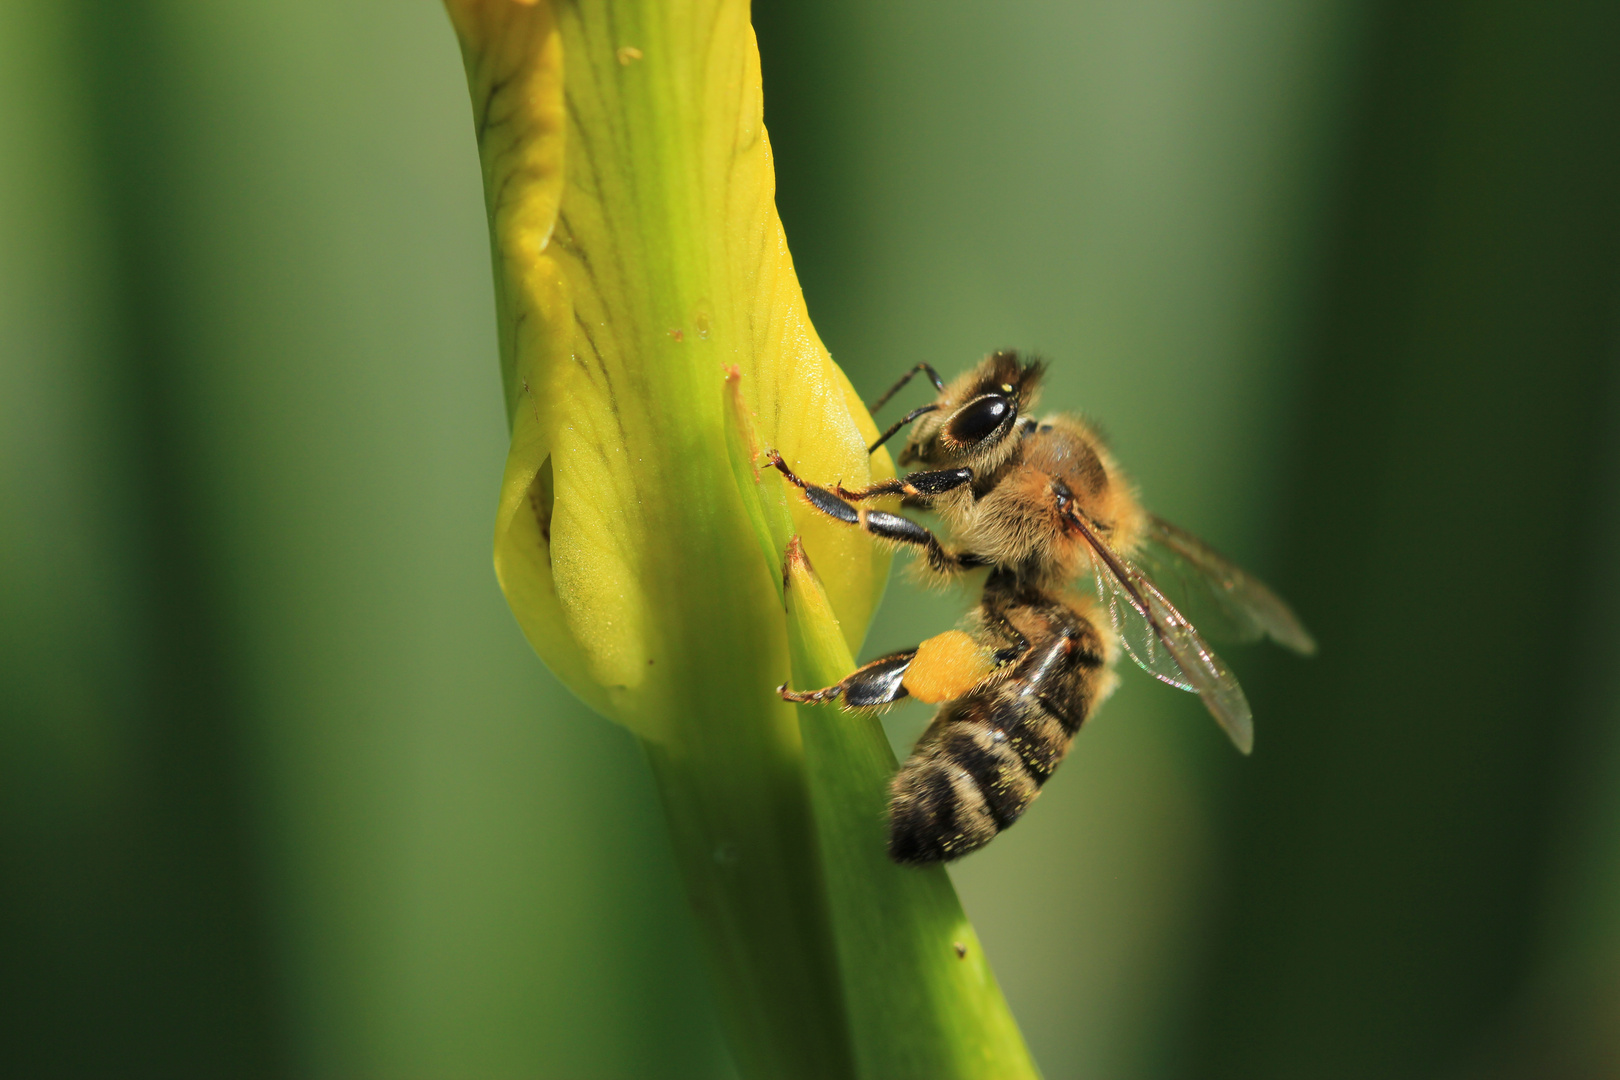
(878,683)
(942,668)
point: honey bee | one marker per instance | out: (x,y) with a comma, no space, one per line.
(1041,504)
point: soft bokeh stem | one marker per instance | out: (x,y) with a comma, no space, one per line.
(739,815)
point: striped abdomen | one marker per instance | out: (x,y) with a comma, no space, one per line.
(985,756)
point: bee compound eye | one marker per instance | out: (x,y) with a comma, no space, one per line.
(978,420)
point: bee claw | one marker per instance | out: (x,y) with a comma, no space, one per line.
(774,459)
(810,697)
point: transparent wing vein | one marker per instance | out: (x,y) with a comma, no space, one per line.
(1225,599)
(1165,645)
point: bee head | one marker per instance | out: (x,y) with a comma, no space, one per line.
(976,417)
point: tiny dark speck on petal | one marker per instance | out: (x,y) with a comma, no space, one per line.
(961,950)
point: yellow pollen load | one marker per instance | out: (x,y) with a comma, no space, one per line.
(947,667)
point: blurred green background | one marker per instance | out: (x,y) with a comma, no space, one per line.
(284,793)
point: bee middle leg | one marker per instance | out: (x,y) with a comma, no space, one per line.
(880,523)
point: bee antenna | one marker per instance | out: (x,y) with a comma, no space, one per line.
(933,377)
(900,423)
(1033,369)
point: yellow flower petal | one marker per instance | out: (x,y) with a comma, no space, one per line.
(638,253)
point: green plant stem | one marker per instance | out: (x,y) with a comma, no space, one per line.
(650,320)
(743,835)
(922,999)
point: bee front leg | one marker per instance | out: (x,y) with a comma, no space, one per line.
(880,523)
(917,485)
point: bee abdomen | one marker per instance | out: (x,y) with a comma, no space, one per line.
(973,773)
(1041,738)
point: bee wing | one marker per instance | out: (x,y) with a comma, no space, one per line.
(1229,602)
(1164,644)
